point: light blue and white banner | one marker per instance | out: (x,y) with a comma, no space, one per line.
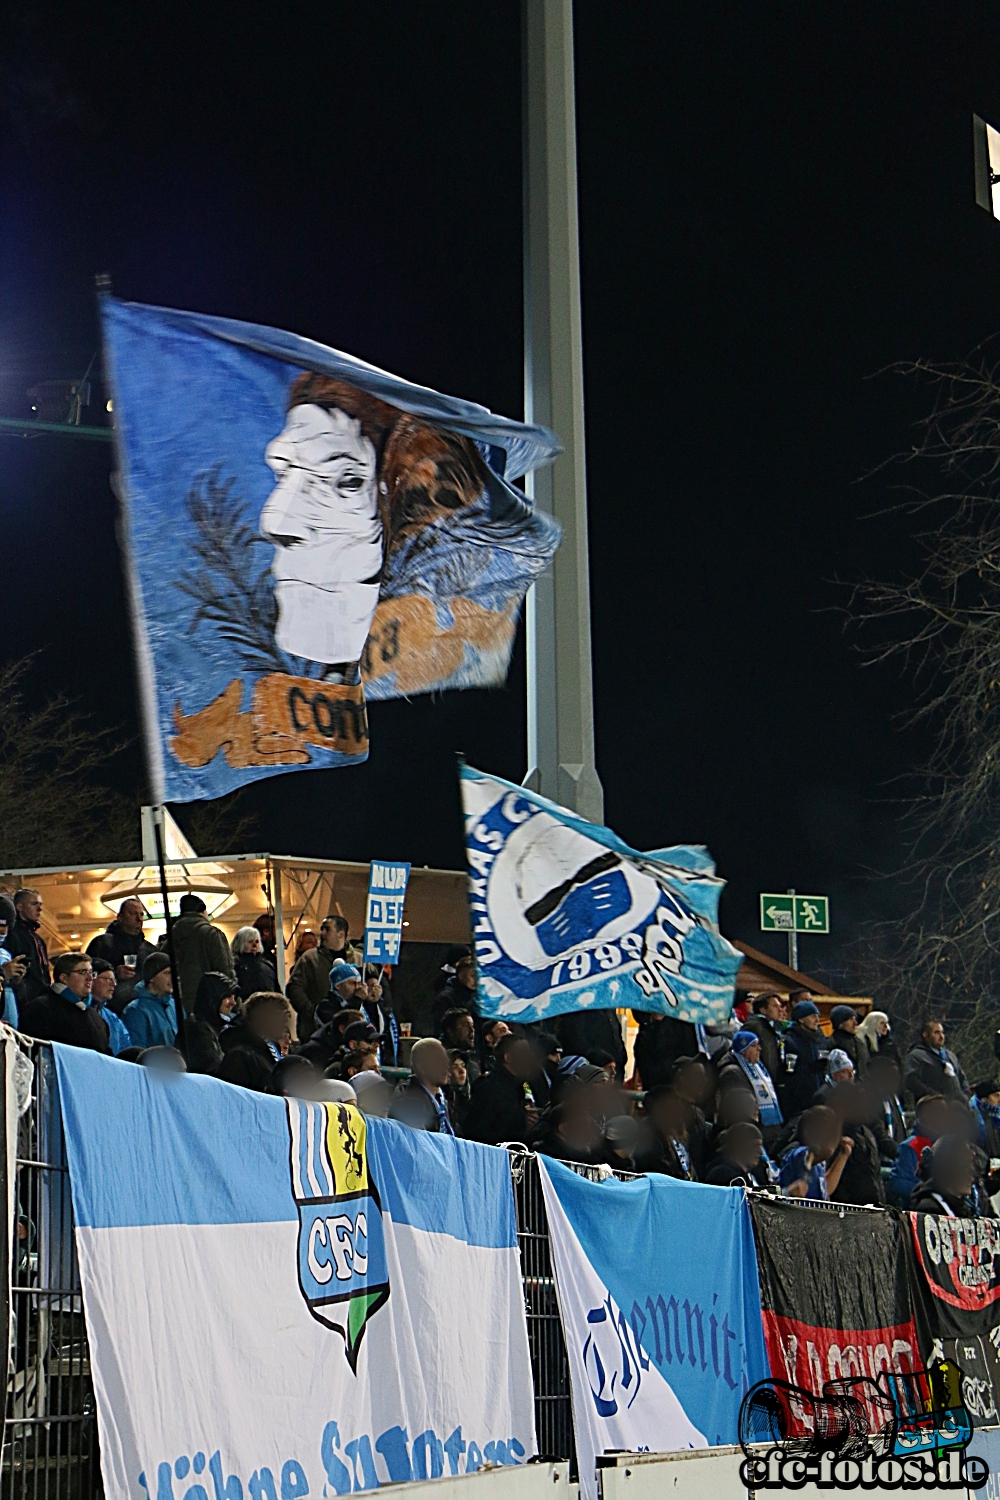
(301,531)
(566,916)
(659,1301)
(387,882)
(279,1294)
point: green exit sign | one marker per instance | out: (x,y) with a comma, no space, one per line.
(794,913)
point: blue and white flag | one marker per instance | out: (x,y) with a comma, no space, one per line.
(300,530)
(279,1294)
(565,916)
(387,882)
(660,1306)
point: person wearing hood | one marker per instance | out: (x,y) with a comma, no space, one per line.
(198,948)
(254,972)
(215,1003)
(845,1021)
(123,939)
(806,1054)
(931,1068)
(101,992)
(151,1017)
(951,1188)
(737,1163)
(63,1013)
(747,1071)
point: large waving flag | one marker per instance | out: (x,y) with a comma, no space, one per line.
(277,1293)
(303,529)
(658,1295)
(566,916)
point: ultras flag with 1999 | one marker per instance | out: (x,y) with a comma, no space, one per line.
(565,916)
(302,529)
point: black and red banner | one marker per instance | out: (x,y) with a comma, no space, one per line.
(959,1265)
(834,1294)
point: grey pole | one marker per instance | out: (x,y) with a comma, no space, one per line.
(560,680)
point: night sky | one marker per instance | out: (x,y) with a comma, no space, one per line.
(776,203)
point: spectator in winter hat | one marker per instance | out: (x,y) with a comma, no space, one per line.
(806,1053)
(845,1021)
(839,1068)
(151,1017)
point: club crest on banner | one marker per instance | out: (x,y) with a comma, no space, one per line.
(565,916)
(343,1271)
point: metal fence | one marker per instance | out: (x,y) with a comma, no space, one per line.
(50,1429)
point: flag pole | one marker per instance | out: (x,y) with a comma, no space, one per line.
(174,976)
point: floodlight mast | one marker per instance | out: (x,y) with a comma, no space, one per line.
(561,762)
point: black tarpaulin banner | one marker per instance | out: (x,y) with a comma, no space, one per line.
(956,1273)
(834,1294)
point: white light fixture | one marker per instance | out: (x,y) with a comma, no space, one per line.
(196,880)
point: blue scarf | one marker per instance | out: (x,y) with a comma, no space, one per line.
(760,1082)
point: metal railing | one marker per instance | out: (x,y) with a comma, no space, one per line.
(50,1429)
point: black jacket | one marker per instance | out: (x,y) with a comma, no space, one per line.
(660,1155)
(855,1046)
(454,996)
(112,946)
(254,972)
(861,1180)
(497,1111)
(924,1072)
(323,1046)
(56,1017)
(583,1031)
(412,1105)
(247,1059)
(23,939)
(203,1051)
(660,1042)
(771,1046)
(888,1127)
(924,1200)
(806,1056)
(725,1173)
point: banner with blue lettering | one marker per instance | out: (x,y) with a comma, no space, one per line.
(302,530)
(566,916)
(270,1291)
(387,881)
(660,1307)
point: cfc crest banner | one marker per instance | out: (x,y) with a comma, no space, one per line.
(301,530)
(270,1291)
(565,916)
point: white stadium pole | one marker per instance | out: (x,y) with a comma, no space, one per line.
(560,680)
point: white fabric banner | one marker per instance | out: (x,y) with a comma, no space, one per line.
(284,1299)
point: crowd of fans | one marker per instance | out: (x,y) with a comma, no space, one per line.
(771,1100)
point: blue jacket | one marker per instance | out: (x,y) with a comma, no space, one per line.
(906,1169)
(119,1032)
(151,1019)
(9,998)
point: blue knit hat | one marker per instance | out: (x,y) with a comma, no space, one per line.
(843,1013)
(742,1040)
(342,971)
(804,1008)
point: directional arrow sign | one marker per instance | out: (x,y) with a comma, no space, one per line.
(780,913)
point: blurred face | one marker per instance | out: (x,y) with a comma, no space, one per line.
(580,1129)
(519,1059)
(271,1023)
(933,1118)
(131,914)
(745,1150)
(957,1174)
(103,986)
(822,1137)
(667,1115)
(431,1065)
(80,979)
(933,1035)
(30,907)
